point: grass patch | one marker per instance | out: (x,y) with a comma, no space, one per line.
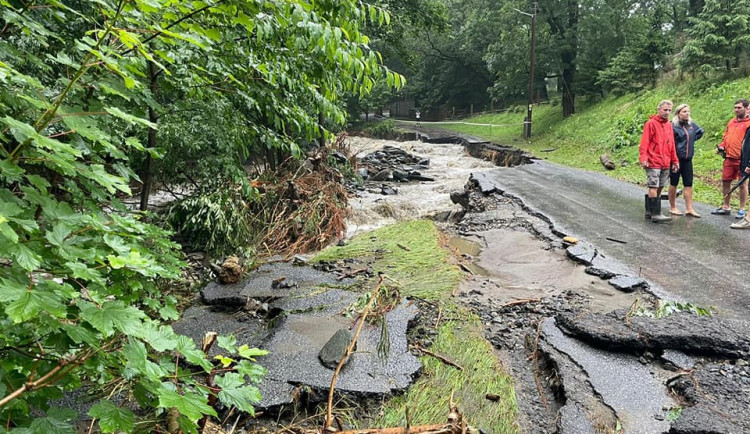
(425,270)
(422,271)
(428,399)
(614,125)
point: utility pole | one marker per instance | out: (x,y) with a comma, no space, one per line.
(527,122)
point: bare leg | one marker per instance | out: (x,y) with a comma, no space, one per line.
(654,192)
(672,193)
(725,186)
(688,193)
(743,195)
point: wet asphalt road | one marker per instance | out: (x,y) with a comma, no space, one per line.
(702,261)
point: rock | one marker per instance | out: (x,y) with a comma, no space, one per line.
(363,173)
(332,352)
(628,283)
(400,175)
(388,191)
(607,162)
(570,240)
(299,260)
(383,175)
(231,270)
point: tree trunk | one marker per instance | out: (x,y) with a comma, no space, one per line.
(153,117)
(568,95)
(696,7)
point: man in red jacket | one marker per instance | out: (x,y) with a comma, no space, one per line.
(658,156)
(731,149)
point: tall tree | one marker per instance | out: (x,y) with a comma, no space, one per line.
(719,36)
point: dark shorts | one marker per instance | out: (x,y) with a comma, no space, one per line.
(730,171)
(656,178)
(686,172)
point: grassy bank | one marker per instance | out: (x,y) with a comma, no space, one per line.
(613,126)
(410,254)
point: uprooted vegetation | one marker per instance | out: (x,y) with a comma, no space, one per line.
(297,207)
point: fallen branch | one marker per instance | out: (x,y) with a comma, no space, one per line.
(438,356)
(348,352)
(403,247)
(440,316)
(425,429)
(523,301)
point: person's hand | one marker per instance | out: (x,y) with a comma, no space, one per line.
(721,151)
(644,164)
(675,167)
(747,169)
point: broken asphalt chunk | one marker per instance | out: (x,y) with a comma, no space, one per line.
(691,334)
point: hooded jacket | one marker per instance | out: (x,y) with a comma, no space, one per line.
(685,135)
(657,144)
(745,157)
(733,135)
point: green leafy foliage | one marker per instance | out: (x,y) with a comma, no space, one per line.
(85,90)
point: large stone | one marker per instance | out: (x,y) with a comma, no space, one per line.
(332,352)
(383,175)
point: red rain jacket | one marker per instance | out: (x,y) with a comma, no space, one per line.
(733,135)
(657,144)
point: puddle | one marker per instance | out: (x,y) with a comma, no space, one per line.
(513,265)
(450,166)
(464,246)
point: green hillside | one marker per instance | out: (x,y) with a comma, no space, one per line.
(613,126)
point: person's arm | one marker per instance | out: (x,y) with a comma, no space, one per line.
(698,131)
(643,148)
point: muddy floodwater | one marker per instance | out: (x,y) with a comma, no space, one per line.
(450,166)
(509,265)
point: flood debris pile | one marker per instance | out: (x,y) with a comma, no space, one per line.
(304,317)
(305,209)
(586,365)
(392,164)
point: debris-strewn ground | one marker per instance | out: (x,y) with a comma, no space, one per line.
(593,353)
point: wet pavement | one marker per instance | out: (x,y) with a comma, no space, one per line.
(702,261)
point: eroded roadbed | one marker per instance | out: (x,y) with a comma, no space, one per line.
(593,346)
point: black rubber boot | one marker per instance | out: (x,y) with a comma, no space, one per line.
(645,204)
(655,207)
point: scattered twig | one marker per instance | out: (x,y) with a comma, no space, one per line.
(403,247)
(438,356)
(424,429)
(522,301)
(440,316)
(348,352)
(352,274)
(616,240)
